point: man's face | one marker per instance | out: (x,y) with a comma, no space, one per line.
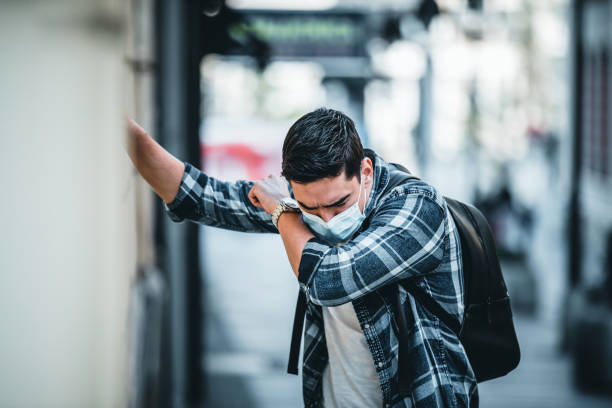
(330,196)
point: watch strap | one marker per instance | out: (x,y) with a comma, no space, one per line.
(281,208)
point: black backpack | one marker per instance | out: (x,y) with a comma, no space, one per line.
(486,332)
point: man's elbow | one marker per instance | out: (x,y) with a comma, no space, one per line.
(328,295)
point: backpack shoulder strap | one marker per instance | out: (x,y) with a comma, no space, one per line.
(296,335)
(430,304)
(398,175)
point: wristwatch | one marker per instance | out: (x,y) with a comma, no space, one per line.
(285,204)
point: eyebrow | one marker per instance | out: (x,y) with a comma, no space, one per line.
(340,201)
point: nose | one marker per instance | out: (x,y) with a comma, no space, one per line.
(326,214)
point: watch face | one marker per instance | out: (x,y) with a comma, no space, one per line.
(290,202)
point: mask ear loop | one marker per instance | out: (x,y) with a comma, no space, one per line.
(362,184)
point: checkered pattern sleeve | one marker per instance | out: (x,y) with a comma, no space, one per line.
(405,238)
(216,203)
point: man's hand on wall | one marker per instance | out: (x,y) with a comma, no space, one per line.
(158,167)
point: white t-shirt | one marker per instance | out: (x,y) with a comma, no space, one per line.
(350,379)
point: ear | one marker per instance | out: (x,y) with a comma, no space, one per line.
(367,171)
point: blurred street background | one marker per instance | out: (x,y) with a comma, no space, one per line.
(107,303)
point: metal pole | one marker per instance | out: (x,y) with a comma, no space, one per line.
(423,131)
(574,230)
(178,101)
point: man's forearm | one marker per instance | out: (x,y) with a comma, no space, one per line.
(158,167)
(295,235)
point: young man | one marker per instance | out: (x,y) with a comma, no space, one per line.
(349,240)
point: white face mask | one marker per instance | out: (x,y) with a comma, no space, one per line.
(341,227)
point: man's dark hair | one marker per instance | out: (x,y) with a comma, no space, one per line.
(322,144)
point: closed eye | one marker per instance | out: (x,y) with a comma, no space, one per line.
(338,203)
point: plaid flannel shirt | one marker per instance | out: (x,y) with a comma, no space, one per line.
(408,233)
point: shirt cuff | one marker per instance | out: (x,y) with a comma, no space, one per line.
(180,208)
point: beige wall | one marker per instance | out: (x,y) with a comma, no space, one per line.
(68,243)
